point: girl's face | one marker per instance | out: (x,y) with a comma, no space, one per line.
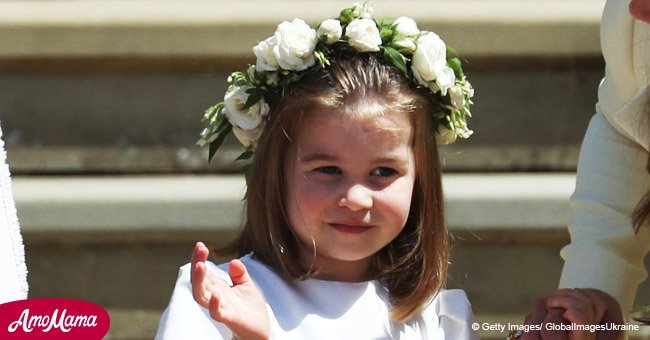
(349,186)
(640,10)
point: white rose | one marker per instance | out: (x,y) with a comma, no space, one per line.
(331,29)
(468,89)
(429,59)
(247,119)
(248,137)
(444,80)
(406,26)
(266,60)
(457,97)
(294,44)
(445,136)
(363,35)
(405,44)
(363,11)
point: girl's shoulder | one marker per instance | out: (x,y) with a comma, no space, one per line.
(450,301)
(451,313)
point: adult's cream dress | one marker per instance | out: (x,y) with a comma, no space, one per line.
(604,252)
(317,309)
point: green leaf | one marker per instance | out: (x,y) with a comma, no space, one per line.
(642,309)
(455,65)
(238,78)
(212,113)
(247,169)
(386,34)
(289,79)
(322,59)
(255,95)
(222,124)
(398,59)
(214,146)
(346,16)
(451,52)
(248,154)
(385,22)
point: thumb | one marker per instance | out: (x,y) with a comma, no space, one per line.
(239,274)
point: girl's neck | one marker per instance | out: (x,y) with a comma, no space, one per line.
(329,269)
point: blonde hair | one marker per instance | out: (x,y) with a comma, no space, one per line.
(414,265)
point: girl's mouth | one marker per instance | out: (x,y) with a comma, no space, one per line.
(350,229)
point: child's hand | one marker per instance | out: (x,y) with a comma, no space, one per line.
(241,307)
(588,307)
(538,320)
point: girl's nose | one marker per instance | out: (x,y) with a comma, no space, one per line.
(357,197)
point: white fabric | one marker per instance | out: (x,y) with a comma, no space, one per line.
(316,309)
(604,252)
(13,272)
(623,94)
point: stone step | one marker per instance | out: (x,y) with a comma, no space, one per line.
(228,29)
(119,241)
(102,124)
(518,202)
(128,80)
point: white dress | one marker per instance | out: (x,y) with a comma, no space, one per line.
(13,271)
(316,309)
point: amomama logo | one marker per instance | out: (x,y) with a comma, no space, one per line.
(53,318)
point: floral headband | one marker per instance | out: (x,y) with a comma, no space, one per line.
(295,47)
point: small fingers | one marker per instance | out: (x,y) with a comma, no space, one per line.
(612,310)
(579,308)
(239,274)
(199,253)
(640,10)
(536,317)
(612,314)
(214,308)
(599,301)
(210,285)
(554,317)
(199,290)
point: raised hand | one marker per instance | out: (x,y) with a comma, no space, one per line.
(241,308)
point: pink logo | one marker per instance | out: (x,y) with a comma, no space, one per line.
(53,318)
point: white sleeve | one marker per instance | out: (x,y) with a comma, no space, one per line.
(186,319)
(453,316)
(604,252)
(13,285)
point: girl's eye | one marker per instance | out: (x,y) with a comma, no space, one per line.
(383,172)
(328,170)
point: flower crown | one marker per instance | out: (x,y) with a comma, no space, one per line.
(295,47)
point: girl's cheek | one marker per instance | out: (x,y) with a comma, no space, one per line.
(397,198)
(312,190)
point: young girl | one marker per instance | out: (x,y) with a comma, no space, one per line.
(345,235)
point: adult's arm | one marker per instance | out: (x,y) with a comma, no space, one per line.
(605,253)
